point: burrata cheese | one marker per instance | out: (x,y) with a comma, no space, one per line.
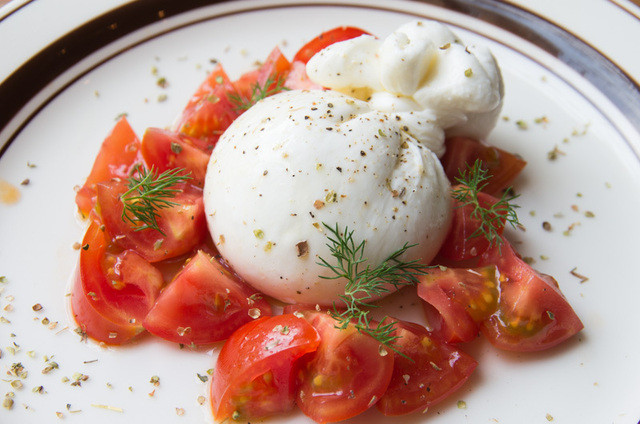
(301,159)
(424,73)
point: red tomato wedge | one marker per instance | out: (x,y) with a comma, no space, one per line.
(112,292)
(326,39)
(345,376)
(164,150)
(119,153)
(209,111)
(183,225)
(502,166)
(429,371)
(205,303)
(276,68)
(463,241)
(532,314)
(256,369)
(462,299)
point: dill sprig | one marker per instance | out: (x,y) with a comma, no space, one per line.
(259,92)
(472,181)
(365,284)
(149,192)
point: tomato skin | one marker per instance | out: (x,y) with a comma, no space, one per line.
(463,298)
(209,111)
(502,166)
(165,150)
(532,314)
(184,225)
(433,371)
(345,376)
(119,153)
(112,293)
(256,369)
(205,303)
(461,244)
(326,39)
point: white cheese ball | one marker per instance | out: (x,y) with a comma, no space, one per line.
(301,159)
(421,68)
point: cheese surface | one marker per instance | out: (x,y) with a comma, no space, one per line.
(423,72)
(301,159)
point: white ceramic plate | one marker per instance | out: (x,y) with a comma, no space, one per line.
(59,105)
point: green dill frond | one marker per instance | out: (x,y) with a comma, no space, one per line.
(365,284)
(472,181)
(259,92)
(147,194)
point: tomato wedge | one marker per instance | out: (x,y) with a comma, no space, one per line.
(275,68)
(462,298)
(183,226)
(463,241)
(532,314)
(326,39)
(112,292)
(502,166)
(205,303)
(119,153)
(209,111)
(345,376)
(428,372)
(165,150)
(255,373)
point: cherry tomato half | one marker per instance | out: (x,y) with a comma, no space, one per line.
(205,303)
(462,297)
(183,225)
(425,371)
(346,376)
(112,292)
(532,314)
(502,166)
(256,369)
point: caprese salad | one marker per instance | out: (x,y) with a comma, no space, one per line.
(322,183)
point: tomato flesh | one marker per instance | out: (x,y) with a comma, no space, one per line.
(210,110)
(503,167)
(164,150)
(255,372)
(425,371)
(183,226)
(463,298)
(532,313)
(345,376)
(112,292)
(205,303)
(464,241)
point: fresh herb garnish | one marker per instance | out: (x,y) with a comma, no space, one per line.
(149,192)
(258,92)
(365,284)
(472,181)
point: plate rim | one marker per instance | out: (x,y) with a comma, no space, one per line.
(25,82)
